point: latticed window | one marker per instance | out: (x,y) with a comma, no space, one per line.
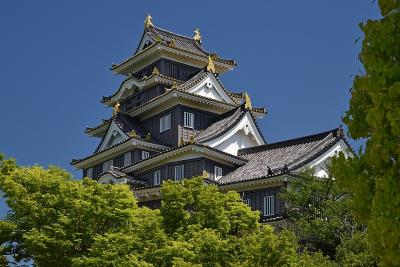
(179,172)
(145,154)
(217,172)
(269,205)
(157,177)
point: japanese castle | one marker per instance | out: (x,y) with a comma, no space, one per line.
(173,119)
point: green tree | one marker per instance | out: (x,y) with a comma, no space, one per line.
(320,216)
(373,176)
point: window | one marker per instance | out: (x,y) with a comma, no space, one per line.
(179,172)
(145,154)
(247,202)
(157,177)
(119,161)
(165,123)
(269,205)
(217,172)
(188,120)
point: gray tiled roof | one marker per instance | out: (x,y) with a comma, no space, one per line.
(182,42)
(293,153)
(222,124)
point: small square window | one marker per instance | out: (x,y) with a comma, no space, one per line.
(165,123)
(188,120)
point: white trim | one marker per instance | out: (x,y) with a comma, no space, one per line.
(211,88)
(320,163)
(109,179)
(114,132)
(248,126)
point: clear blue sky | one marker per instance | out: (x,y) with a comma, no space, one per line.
(296,58)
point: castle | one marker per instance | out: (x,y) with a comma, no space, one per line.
(173,119)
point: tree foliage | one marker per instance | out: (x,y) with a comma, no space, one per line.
(373,176)
(58,221)
(320,217)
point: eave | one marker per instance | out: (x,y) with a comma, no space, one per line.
(159,50)
(99,130)
(163,102)
(141,84)
(110,152)
(197,148)
(259,182)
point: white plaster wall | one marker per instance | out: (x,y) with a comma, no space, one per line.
(237,141)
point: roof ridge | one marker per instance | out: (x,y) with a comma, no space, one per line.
(289,142)
(173,33)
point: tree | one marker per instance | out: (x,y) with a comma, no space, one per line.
(320,216)
(372,176)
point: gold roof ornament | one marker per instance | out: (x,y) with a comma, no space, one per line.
(155,71)
(133,133)
(147,22)
(172,43)
(117,108)
(197,36)
(205,174)
(191,139)
(174,85)
(247,101)
(148,137)
(210,65)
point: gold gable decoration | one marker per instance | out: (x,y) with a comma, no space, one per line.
(155,71)
(247,101)
(147,22)
(197,36)
(210,65)
(117,108)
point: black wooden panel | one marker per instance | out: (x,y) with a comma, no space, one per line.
(257,200)
(97,170)
(119,161)
(170,136)
(152,204)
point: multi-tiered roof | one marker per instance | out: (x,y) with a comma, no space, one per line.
(172,110)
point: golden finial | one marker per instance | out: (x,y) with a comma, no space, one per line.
(148,137)
(247,101)
(210,65)
(155,71)
(147,22)
(133,133)
(116,108)
(197,36)
(172,43)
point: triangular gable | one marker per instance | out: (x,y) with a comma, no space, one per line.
(146,41)
(114,136)
(244,134)
(210,87)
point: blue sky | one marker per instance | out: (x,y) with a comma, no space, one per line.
(296,58)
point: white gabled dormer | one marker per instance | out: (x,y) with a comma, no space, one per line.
(210,87)
(114,136)
(243,135)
